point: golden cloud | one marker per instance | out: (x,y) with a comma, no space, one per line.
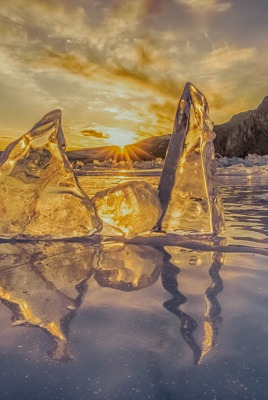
(226,56)
(93,133)
(205,6)
(59,56)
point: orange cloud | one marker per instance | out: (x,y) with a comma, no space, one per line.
(94,133)
(205,6)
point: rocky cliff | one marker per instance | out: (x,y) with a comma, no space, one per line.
(245,133)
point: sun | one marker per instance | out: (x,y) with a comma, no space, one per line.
(122,138)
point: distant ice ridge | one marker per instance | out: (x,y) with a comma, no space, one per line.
(250,161)
(253,164)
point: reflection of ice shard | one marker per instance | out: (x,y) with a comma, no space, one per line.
(188,324)
(188,189)
(43,285)
(129,267)
(39,194)
(213,311)
(184,261)
(131,207)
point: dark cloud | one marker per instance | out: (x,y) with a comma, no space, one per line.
(162,84)
(93,133)
(80,65)
(144,56)
(216,101)
(164,112)
(70,62)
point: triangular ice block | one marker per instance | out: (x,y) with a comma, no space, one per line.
(39,194)
(188,189)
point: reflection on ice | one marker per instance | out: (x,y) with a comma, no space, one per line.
(44,284)
(128,267)
(170,280)
(213,311)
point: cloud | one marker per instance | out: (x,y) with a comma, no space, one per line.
(122,64)
(205,6)
(164,112)
(93,133)
(70,62)
(227,56)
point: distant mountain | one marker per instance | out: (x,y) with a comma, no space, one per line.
(147,149)
(245,133)
(94,153)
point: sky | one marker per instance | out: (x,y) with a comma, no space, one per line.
(117,68)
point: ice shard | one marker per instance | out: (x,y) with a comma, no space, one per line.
(39,194)
(188,188)
(131,207)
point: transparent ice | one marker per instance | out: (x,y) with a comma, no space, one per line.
(131,207)
(188,189)
(39,193)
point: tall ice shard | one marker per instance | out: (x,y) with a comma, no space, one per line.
(39,194)
(188,189)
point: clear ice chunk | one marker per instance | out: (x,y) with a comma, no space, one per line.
(39,193)
(188,188)
(131,207)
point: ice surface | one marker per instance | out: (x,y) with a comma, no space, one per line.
(40,196)
(132,207)
(263,196)
(188,188)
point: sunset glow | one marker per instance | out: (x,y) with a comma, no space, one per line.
(116,69)
(121,138)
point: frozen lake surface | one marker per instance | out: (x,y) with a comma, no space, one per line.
(158,318)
